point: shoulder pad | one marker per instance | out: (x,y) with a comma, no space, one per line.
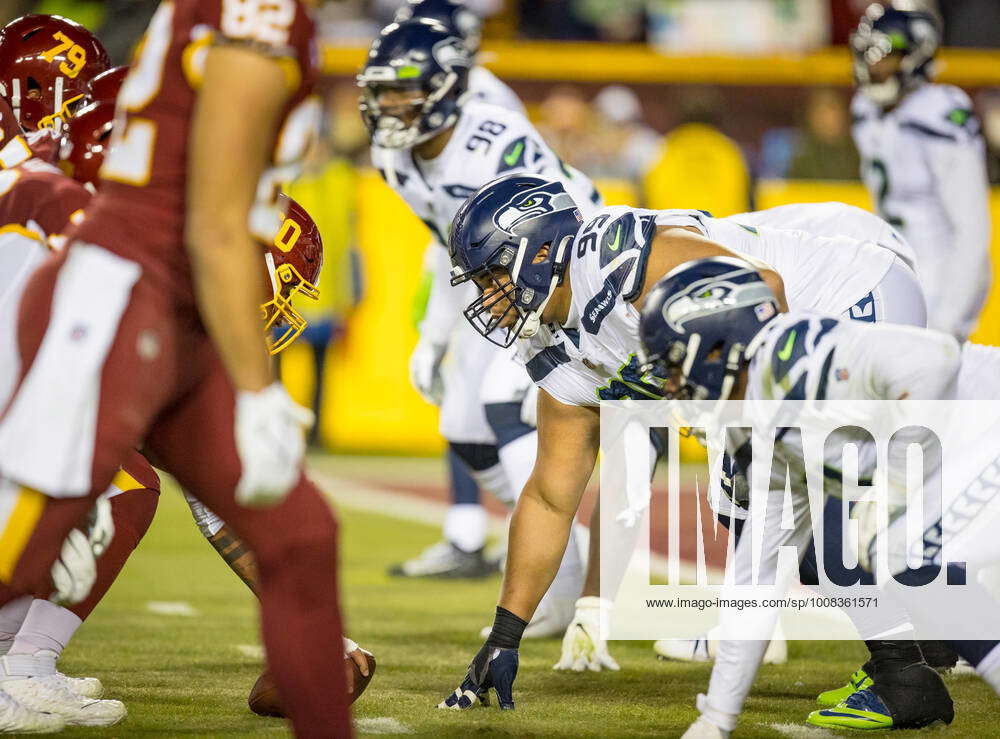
(942,112)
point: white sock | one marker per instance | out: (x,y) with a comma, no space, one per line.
(989,669)
(11,617)
(495,480)
(465,526)
(47,626)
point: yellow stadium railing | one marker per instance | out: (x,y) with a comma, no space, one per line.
(637,63)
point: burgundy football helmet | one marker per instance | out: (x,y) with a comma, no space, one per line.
(46,63)
(294,260)
(85,142)
(106,85)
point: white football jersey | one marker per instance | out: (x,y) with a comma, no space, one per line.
(486,86)
(924,164)
(593,357)
(487,141)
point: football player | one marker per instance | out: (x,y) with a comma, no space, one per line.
(168,353)
(461,552)
(735,342)
(571,289)
(435,145)
(923,160)
(36,204)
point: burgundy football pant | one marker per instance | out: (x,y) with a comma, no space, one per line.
(164,389)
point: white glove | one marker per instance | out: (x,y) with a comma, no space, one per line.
(582,647)
(425,370)
(270,443)
(75,571)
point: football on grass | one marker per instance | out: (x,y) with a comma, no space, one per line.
(264,700)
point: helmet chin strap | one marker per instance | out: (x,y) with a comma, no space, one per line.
(883,93)
(533,319)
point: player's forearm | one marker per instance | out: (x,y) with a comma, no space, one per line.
(538,535)
(445,302)
(228,280)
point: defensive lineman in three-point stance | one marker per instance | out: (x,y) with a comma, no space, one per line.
(435,145)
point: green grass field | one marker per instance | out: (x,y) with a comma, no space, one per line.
(190,674)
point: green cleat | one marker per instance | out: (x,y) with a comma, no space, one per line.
(862,711)
(859,681)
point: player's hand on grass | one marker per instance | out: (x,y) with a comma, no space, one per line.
(270,441)
(582,647)
(492,667)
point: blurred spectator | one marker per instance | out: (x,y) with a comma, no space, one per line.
(973,23)
(824,149)
(613,20)
(738,26)
(554,19)
(988,103)
(348,22)
(699,166)
(124,23)
(629,145)
(570,127)
(777,147)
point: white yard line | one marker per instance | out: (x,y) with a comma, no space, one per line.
(381,725)
(171,608)
(251,651)
(801,731)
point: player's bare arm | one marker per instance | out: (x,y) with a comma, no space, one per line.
(568,440)
(675,245)
(226,157)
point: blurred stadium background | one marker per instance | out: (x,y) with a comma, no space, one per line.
(723,105)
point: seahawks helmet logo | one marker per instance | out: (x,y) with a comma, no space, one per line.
(534,203)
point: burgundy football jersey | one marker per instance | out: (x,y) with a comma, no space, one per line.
(139,211)
(37,197)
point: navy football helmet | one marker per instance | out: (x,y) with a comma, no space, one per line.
(452,14)
(513,238)
(697,323)
(894,29)
(428,67)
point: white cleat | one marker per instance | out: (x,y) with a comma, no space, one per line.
(703,650)
(18,719)
(87,687)
(704,729)
(50,694)
(684,650)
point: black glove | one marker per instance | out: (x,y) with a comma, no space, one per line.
(492,667)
